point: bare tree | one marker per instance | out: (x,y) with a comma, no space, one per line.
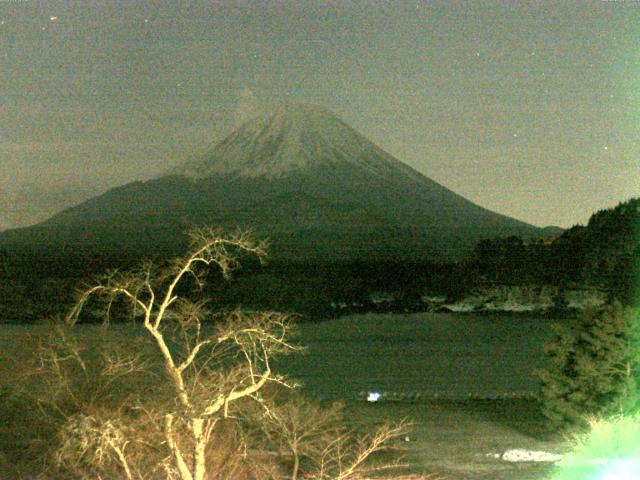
(214,370)
(347,457)
(318,436)
(209,367)
(298,428)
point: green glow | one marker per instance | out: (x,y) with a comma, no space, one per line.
(627,469)
(609,451)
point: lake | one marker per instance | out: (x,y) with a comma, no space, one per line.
(430,355)
(445,355)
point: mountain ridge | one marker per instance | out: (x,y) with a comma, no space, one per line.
(299,176)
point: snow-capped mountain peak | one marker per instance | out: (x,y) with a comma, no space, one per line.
(290,139)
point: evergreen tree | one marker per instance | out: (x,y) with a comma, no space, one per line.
(594,368)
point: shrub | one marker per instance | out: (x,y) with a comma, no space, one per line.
(595,368)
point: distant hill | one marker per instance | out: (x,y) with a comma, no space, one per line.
(605,253)
(298,176)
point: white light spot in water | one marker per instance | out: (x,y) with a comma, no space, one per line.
(373,396)
(53,19)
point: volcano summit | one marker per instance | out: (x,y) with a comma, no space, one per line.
(288,141)
(299,176)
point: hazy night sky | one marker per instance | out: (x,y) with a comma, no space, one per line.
(531,109)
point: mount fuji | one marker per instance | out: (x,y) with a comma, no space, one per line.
(299,176)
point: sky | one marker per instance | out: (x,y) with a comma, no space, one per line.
(530,109)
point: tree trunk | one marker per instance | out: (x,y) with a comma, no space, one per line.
(183,469)
(296,464)
(199,460)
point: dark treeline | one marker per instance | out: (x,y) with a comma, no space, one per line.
(37,284)
(33,288)
(320,290)
(605,253)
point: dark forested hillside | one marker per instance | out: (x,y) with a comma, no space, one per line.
(604,253)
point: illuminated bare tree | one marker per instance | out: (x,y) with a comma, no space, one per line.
(172,401)
(347,457)
(318,435)
(210,367)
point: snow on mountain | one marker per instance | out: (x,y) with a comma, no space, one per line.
(289,140)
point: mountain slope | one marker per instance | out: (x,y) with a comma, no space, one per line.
(299,176)
(293,138)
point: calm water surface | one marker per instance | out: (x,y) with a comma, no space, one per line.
(443,355)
